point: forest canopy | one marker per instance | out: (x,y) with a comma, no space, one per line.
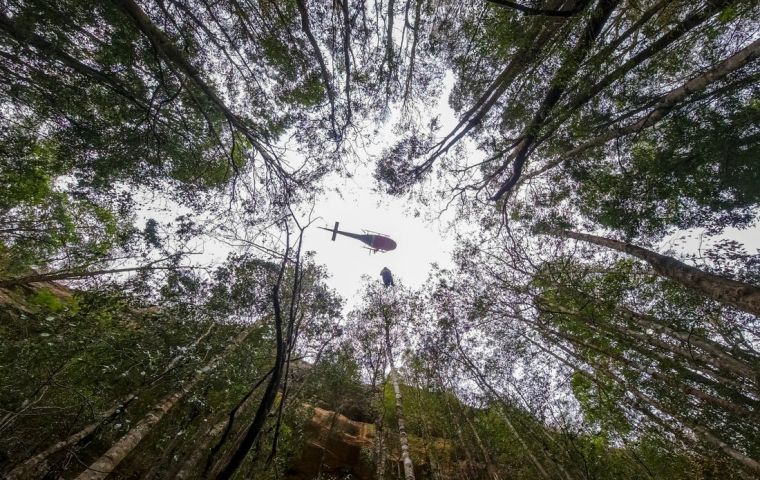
(565,338)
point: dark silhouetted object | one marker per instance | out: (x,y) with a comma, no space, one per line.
(376,242)
(387,277)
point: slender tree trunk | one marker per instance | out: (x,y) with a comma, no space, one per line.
(166,48)
(71,275)
(389,50)
(111,459)
(460,435)
(225,468)
(725,359)
(33,467)
(347,55)
(44,47)
(380,453)
(188,468)
(543,34)
(412,53)
(36,466)
(201,446)
(655,372)
(703,365)
(559,84)
(535,11)
(704,351)
(403,440)
(674,97)
(306,27)
(741,295)
(491,468)
(699,430)
(691,21)
(486,387)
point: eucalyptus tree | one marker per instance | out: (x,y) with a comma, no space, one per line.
(216,351)
(106,104)
(561,108)
(644,356)
(381,323)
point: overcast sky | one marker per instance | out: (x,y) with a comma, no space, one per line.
(357,206)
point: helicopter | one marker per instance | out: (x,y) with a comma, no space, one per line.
(376,241)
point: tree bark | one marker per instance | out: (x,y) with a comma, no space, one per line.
(35,466)
(403,440)
(537,11)
(306,27)
(744,296)
(164,45)
(226,468)
(673,98)
(559,84)
(111,459)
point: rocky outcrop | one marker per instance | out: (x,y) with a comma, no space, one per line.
(335,445)
(339,447)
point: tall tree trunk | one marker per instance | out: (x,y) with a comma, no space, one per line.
(201,446)
(691,21)
(654,372)
(527,10)
(111,459)
(663,107)
(559,84)
(669,101)
(72,275)
(542,34)
(699,430)
(225,468)
(490,467)
(741,295)
(26,38)
(412,53)
(696,348)
(169,51)
(380,453)
(306,27)
(486,387)
(347,55)
(584,96)
(33,467)
(403,440)
(470,461)
(695,366)
(36,466)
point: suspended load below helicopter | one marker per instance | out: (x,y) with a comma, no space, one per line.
(375,241)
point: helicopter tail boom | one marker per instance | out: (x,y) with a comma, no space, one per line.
(335,231)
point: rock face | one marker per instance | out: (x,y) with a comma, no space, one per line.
(337,446)
(341,448)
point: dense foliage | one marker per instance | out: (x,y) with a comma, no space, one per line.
(161,315)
